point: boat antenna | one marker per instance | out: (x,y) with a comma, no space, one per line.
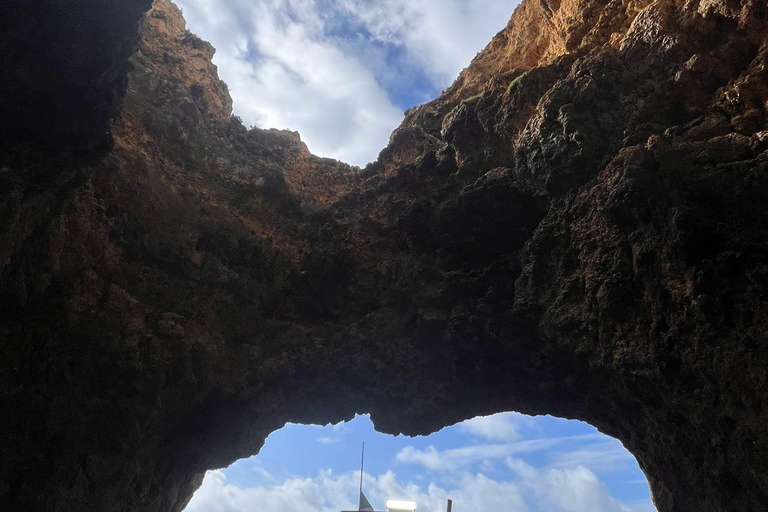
(362,459)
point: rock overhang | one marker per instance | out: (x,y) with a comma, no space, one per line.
(574,243)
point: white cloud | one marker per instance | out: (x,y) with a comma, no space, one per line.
(593,451)
(567,490)
(294,64)
(331,493)
(440,36)
(217,495)
(548,490)
(263,474)
(559,474)
(487,466)
(340,426)
(498,427)
(283,72)
(327,440)
(460,458)
(601,456)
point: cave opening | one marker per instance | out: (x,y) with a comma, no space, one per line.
(506,461)
(340,73)
(176,286)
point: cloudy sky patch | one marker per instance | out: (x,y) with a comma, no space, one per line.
(554,466)
(341,72)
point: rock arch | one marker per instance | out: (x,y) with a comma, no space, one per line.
(576,227)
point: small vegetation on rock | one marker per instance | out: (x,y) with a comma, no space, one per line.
(472,99)
(514,82)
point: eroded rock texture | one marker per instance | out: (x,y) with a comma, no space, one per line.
(576,227)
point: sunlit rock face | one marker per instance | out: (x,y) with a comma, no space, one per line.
(576,227)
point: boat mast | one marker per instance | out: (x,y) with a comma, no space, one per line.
(362,459)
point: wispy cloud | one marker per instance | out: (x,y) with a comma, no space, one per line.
(498,427)
(461,458)
(439,36)
(263,474)
(327,440)
(600,456)
(593,451)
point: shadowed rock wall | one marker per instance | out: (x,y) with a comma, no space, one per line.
(65,66)
(576,227)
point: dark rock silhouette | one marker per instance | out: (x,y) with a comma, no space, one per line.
(576,227)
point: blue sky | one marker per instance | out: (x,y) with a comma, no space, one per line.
(507,462)
(341,72)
